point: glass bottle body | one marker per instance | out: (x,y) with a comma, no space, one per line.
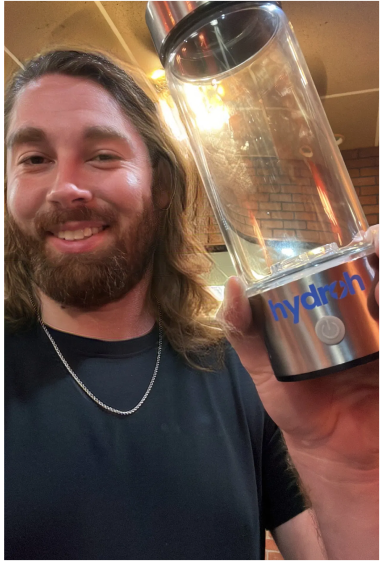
(274,175)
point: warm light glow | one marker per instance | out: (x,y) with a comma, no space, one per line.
(208,108)
(157,74)
(173,123)
(288,251)
(221,91)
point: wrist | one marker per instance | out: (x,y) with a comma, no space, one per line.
(334,465)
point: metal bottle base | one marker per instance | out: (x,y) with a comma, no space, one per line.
(321,323)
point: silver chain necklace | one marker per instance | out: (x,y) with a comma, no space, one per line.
(87,391)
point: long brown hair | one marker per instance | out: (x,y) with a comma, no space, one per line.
(180,260)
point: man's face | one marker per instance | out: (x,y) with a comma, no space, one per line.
(79,192)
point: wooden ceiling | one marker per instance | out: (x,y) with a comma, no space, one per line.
(339,41)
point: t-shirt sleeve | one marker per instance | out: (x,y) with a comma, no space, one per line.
(282,496)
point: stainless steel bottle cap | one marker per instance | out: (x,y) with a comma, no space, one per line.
(162,17)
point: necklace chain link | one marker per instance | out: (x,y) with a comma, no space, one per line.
(85,388)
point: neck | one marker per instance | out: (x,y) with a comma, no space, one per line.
(127,318)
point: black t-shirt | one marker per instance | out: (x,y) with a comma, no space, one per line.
(198,472)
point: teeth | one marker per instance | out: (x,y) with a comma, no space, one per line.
(78,234)
(69,235)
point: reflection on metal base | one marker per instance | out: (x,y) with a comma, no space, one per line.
(321,323)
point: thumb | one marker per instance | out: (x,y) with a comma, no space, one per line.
(235,313)
(235,317)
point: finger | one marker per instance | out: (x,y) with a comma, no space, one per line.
(376,239)
(372,234)
(377,249)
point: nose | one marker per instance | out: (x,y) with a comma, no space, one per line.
(68,189)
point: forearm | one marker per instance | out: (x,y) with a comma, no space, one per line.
(345,501)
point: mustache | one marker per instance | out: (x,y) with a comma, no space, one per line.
(45,221)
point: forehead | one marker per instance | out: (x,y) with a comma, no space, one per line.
(66,102)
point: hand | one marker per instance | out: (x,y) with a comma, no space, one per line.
(334,416)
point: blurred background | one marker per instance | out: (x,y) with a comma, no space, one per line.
(340,41)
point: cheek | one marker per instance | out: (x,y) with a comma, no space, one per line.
(140,177)
(23,201)
(132,188)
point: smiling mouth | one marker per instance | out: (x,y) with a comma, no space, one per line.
(74,235)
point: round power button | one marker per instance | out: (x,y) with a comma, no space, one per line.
(330,330)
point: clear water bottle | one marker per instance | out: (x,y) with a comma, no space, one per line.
(285,204)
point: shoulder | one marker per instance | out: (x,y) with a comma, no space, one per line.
(236,370)
(12,334)
(19,343)
(218,367)
(234,383)
(249,397)
(221,358)
(22,353)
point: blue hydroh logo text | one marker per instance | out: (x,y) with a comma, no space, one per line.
(316,297)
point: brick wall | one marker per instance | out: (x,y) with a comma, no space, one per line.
(363,167)
(283,200)
(271,549)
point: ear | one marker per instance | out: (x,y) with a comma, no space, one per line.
(163,188)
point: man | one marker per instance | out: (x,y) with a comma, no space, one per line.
(133,432)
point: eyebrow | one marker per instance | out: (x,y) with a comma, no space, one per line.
(100,133)
(25,135)
(33,135)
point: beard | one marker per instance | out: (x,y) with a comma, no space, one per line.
(91,279)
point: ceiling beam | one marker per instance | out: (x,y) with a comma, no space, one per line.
(122,42)
(350,93)
(13,57)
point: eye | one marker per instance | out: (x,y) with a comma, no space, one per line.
(35,161)
(105,161)
(105,157)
